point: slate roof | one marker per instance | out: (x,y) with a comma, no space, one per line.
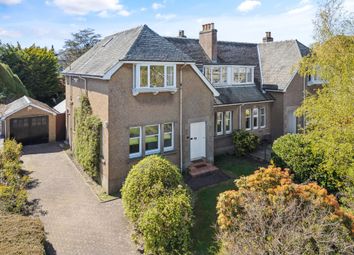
(21,103)
(137,44)
(278,62)
(240,94)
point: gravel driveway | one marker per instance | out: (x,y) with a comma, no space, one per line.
(74,220)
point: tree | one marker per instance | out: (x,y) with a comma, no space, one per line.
(80,43)
(269,214)
(37,68)
(332,20)
(11,87)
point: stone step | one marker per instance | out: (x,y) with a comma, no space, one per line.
(201,168)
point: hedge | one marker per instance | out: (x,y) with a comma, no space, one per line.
(87,140)
(21,235)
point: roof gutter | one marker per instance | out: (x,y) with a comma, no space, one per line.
(246,103)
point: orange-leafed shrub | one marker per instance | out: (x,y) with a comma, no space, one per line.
(269,214)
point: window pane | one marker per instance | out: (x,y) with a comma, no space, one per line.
(249,75)
(207,72)
(216,75)
(219,119)
(151,130)
(224,74)
(242,75)
(255,117)
(157,76)
(134,145)
(262,113)
(151,142)
(170,76)
(134,132)
(228,121)
(167,127)
(143,76)
(167,140)
(248,118)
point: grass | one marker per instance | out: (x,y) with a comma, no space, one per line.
(203,232)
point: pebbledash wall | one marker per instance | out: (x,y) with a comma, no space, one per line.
(112,101)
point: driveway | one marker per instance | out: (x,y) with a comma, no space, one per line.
(75,221)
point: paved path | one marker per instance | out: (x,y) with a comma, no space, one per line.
(75,222)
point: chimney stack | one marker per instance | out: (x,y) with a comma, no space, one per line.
(208,41)
(181,34)
(268,37)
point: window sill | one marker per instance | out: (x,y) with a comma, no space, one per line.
(310,83)
(155,91)
(138,158)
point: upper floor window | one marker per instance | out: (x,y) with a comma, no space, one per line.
(228,75)
(155,76)
(242,75)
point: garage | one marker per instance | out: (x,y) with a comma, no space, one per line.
(30,130)
(28,121)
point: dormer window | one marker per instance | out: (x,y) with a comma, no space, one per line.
(229,75)
(155,78)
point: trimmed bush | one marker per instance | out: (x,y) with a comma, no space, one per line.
(158,204)
(151,178)
(293,152)
(244,142)
(21,235)
(165,226)
(87,138)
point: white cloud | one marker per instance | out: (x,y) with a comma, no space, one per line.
(83,7)
(248,5)
(157,6)
(301,9)
(10,2)
(143,9)
(9,34)
(165,17)
(349,5)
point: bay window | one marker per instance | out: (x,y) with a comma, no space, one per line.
(262,114)
(155,76)
(255,118)
(135,142)
(219,123)
(248,119)
(168,137)
(228,122)
(152,139)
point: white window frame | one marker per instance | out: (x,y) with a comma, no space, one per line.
(165,65)
(246,82)
(154,151)
(264,115)
(230,119)
(248,117)
(255,116)
(229,74)
(221,122)
(137,154)
(170,148)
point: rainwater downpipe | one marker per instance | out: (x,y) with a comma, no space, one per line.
(181,117)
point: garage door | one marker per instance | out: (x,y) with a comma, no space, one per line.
(31,130)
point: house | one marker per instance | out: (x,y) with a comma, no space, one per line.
(28,121)
(178,97)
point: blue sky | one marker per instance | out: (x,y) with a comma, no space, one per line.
(50,22)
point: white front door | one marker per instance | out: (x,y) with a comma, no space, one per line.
(197,140)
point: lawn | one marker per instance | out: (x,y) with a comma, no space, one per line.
(203,232)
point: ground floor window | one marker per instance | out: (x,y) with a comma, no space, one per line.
(152,139)
(219,123)
(262,113)
(255,118)
(135,142)
(168,136)
(248,119)
(228,122)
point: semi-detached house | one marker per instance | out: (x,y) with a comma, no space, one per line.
(182,97)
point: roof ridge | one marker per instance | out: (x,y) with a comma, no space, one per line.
(124,31)
(186,38)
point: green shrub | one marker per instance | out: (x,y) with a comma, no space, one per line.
(21,235)
(12,198)
(165,226)
(244,142)
(293,152)
(151,178)
(158,203)
(11,150)
(87,138)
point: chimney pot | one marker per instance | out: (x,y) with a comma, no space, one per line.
(181,34)
(268,37)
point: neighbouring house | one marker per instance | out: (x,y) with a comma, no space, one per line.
(181,97)
(60,121)
(28,121)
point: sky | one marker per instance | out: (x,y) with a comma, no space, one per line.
(50,22)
